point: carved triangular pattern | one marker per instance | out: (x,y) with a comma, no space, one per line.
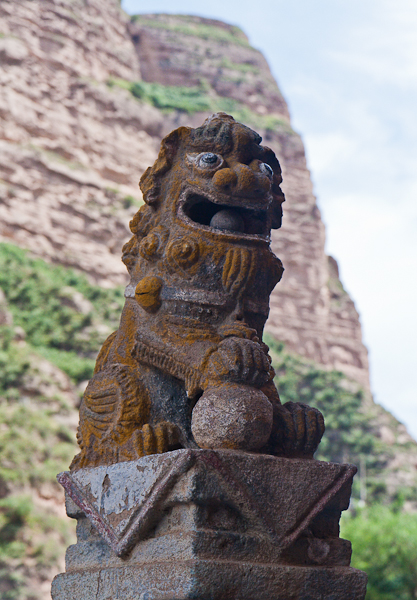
(146,514)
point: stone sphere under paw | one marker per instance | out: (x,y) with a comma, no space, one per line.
(235,417)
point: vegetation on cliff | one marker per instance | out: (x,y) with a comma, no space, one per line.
(384,542)
(169,98)
(63,316)
(36,442)
(191,27)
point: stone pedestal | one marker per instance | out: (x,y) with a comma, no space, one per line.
(209,525)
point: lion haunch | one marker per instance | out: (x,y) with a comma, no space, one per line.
(189,347)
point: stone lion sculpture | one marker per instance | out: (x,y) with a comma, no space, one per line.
(187,367)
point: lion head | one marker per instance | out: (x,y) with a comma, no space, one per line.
(216,180)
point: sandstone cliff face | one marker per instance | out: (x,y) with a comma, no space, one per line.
(74,141)
(67,143)
(191,51)
(73,149)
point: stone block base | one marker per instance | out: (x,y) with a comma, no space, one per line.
(209,525)
(210,580)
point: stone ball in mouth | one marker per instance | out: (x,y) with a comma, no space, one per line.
(228,219)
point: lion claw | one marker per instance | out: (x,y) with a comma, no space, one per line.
(303,427)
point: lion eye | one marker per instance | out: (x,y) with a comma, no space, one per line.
(209,160)
(265,168)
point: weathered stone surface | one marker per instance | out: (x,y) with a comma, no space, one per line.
(274,496)
(234,417)
(224,523)
(209,524)
(190,333)
(209,580)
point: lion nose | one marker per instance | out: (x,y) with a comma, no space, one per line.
(241,180)
(225,181)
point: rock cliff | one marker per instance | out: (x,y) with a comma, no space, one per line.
(86,93)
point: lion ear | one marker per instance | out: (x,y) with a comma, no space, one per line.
(171,142)
(146,184)
(150,180)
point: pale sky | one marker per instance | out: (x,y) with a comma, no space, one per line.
(348,70)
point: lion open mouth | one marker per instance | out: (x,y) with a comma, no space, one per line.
(225,218)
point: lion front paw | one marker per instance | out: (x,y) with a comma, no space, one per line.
(239,360)
(302,428)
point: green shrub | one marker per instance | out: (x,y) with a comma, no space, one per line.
(384,543)
(14,362)
(78,368)
(188,99)
(14,514)
(28,535)
(33,446)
